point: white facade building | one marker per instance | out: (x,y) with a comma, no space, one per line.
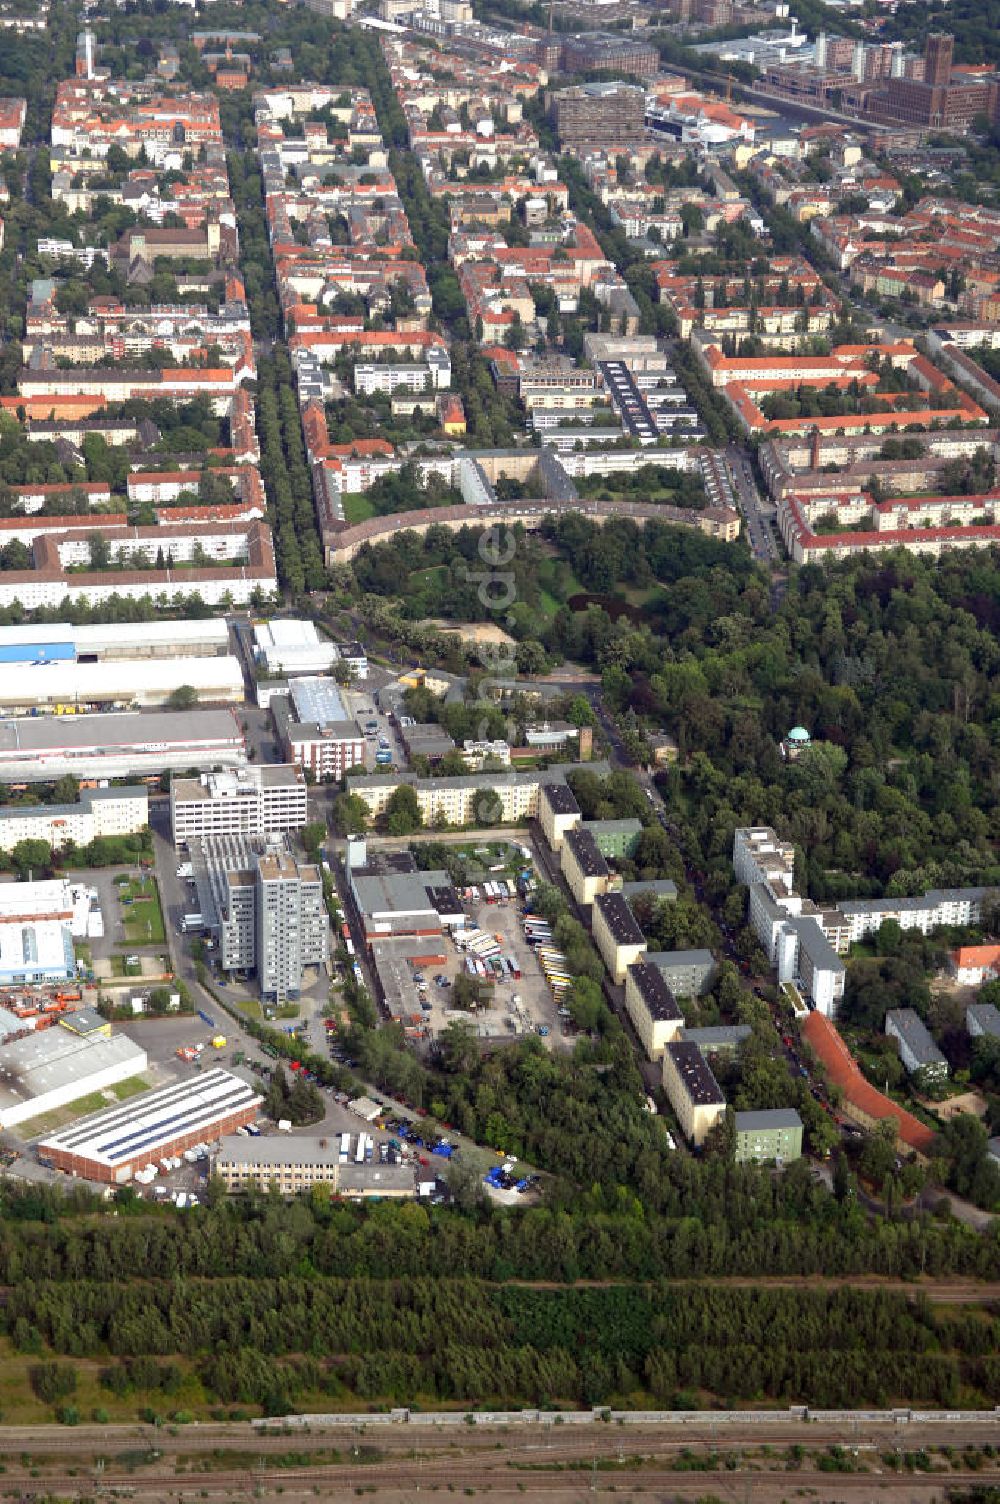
(252,801)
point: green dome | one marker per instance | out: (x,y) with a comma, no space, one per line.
(798,734)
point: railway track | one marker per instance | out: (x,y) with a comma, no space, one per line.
(408,1479)
(533,1442)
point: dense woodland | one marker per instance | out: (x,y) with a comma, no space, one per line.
(266,1341)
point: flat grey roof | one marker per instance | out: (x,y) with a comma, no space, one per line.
(56,1058)
(671,958)
(816,946)
(771,1117)
(392,893)
(111,732)
(285,1149)
(318,700)
(718,1036)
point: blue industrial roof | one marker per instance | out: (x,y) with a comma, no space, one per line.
(36,652)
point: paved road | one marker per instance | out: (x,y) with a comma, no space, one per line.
(748,500)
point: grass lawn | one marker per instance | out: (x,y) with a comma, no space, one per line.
(143,917)
(50,1122)
(120,969)
(250,1007)
(357,507)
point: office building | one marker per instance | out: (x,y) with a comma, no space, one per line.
(600,115)
(652,1007)
(773,1136)
(109,1146)
(692,1090)
(292,929)
(266,911)
(292,1163)
(941,99)
(609,52)
(616,934)
(98,812)
(316,729)
(917,1049)
(253,801)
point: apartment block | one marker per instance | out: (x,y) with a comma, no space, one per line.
(558,812)
(98,812)
(687,973)
(600,114)
(652,1007)
(252,801)
(917,1049)
(773,1136)
(692,1090)
(616,934)
(584,868)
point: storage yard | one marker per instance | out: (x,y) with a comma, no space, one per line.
(483,938)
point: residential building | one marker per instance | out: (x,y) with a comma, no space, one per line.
(917,1049)
(652,1008)
(983,1020)
(688,973)
(616,934)
(862,1103)
(718,1039)
(692,1090)
(558,812)
(972,965)
(505,797)
(773,1136)
(110,812)
(253,801)
(586,872)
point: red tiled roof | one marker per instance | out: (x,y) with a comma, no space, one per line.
(844,1072)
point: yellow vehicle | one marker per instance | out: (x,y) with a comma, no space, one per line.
(219,1042)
